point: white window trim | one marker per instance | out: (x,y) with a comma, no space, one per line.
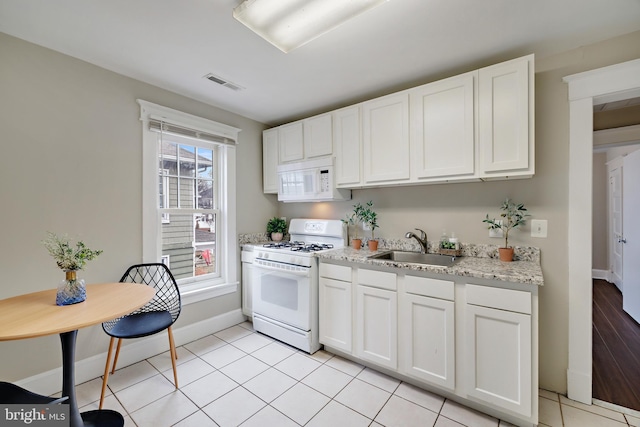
(151,231)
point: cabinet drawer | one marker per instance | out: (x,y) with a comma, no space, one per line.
(338,272)
(377,279)
(442,289)
(502,299)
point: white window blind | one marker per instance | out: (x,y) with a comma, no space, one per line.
(160,125)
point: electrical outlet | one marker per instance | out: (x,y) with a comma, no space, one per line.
(366,227)
(496,232)
(539,228)
(283,217)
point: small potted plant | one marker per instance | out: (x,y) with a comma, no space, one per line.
(513,215)
(370,217)
(356,218)
(348,221)
(276,227)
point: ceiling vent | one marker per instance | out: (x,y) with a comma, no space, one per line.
(222,82)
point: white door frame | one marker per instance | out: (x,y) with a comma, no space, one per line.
(608,84)
(614,257)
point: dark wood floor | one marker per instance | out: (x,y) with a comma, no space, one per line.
(616,349)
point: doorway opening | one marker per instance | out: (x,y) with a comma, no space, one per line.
(616,334)
(608,84)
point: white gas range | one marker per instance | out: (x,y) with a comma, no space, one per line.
(285,282)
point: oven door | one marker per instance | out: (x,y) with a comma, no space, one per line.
(282,295)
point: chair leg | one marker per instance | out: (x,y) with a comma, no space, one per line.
(174,356)
(106,372)
(115,359)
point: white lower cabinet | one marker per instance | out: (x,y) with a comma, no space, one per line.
(477,343)
(335,307)
(498,348)
(247,258)
(427,331)
(376,317)
(377,326)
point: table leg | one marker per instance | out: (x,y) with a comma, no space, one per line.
(68,341)
(97,418)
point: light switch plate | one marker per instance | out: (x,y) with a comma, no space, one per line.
(496,232)
(539,228)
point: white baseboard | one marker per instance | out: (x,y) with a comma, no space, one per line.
(50,382)
(601,274)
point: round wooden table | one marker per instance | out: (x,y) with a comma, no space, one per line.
(36,314)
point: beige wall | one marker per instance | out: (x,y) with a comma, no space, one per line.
(70,162)
(461,207)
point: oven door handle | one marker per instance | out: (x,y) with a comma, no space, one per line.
(304,272)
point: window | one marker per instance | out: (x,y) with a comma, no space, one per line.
(189,200)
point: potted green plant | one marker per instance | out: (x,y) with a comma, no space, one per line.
(370,217)
(513,215)
(348,221)
(356,218)
(276,227)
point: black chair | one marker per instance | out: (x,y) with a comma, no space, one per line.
(157,315)
(13,394)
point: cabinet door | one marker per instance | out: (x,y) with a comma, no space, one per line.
(347,147)
(318,136)
(386,139)
(247,295)
(505,117)
(291,142)
(498,358)
(377,326)
(335,314)
(270,161)
(442,123)
(428,339)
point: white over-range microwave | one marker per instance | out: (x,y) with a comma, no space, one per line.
(309,181)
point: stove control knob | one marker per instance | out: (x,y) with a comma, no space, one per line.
(266,255)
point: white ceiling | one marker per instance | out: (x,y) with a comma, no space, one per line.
(174,43)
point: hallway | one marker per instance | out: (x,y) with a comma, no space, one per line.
(616,349)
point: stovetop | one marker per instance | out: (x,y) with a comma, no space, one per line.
(299,246)
(308,237)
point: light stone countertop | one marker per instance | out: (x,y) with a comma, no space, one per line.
(477,260)
(527,272)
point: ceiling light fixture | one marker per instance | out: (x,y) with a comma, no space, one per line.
(288,24)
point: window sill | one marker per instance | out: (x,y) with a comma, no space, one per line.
(192,294)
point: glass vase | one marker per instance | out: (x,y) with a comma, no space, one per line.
(71,290)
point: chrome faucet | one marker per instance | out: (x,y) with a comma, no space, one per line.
(422,239)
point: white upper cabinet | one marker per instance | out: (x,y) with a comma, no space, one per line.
(291,143)
(442,128)
(270,161)
(506,118)
(318,138)
(471,127)
(386,139)
(347,147)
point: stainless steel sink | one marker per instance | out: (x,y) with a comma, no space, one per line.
(416,258)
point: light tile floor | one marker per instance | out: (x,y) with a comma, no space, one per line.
(240,377)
